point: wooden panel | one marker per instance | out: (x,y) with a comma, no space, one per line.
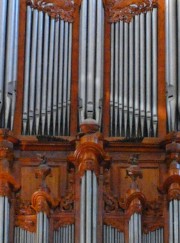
(29,184)
(148,184)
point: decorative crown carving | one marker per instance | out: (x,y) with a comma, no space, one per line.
(125,10)
(58,9)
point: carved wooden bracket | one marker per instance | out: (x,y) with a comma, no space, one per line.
(89,156)
(8,184)
(26,222)
(58,9)
(125,10)
(152,217)
(116,222)
(43,202)
(62,220)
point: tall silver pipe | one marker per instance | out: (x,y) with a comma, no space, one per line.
(6,220)
(88,207)
(142,73)
(171,221)
(154,64)
(65,77)
(82,212)
(148,72)
(172,59)
(83,60)
(176,221)
(33,69)
(94,208)
(99,57)
(137,68)
(121,53)
(116,64)
(178,93)
(126,47)
(44,74)
(50,74)
(2,218)
(27,69)
(90,59)
(60,88)
(9,59)
(3,7)
(131,76)
(112,79)
(39,71)
(69,77)
(15,62)
(55,78)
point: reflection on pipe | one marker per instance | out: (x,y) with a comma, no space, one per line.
(64,234)
(134,53)
(47,78)
(42,228)
(91,60)
(9,18)
(88,208)
(155,236)
(112,235)
(21,235)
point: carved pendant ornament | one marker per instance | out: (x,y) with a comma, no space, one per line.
(58,9)
(125,10)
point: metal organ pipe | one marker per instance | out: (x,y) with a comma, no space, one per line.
(155,236)
(135,232)
(136,44)
(42,228)
(174,220)
(90,61)
(112,235)
(64,234)
(23,236)
(88,208)
(47,80)
(4,223)
(9,17)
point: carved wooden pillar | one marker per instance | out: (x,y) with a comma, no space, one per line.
(8,184)
(134,203)
(88,158)
(171,187)
(42,202)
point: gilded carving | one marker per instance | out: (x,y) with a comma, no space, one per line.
(8,184)
(27,223)
(125,10)
(58,9)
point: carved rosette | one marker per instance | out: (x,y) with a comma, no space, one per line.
(89,156)
(58,9)
(125,10)
(43,202)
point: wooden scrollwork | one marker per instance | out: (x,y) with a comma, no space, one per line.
(125,10)
(58,9)
(63,220)
(27,222)
(8,184)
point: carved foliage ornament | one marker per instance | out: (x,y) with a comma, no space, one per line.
(125,10)
(58,9)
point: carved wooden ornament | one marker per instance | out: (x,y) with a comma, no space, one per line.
(125,10)
(8,184)
(58,9)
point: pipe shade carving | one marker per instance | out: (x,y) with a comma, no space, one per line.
(125,10)
(56,9)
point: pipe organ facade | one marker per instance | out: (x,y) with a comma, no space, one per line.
(89,121)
